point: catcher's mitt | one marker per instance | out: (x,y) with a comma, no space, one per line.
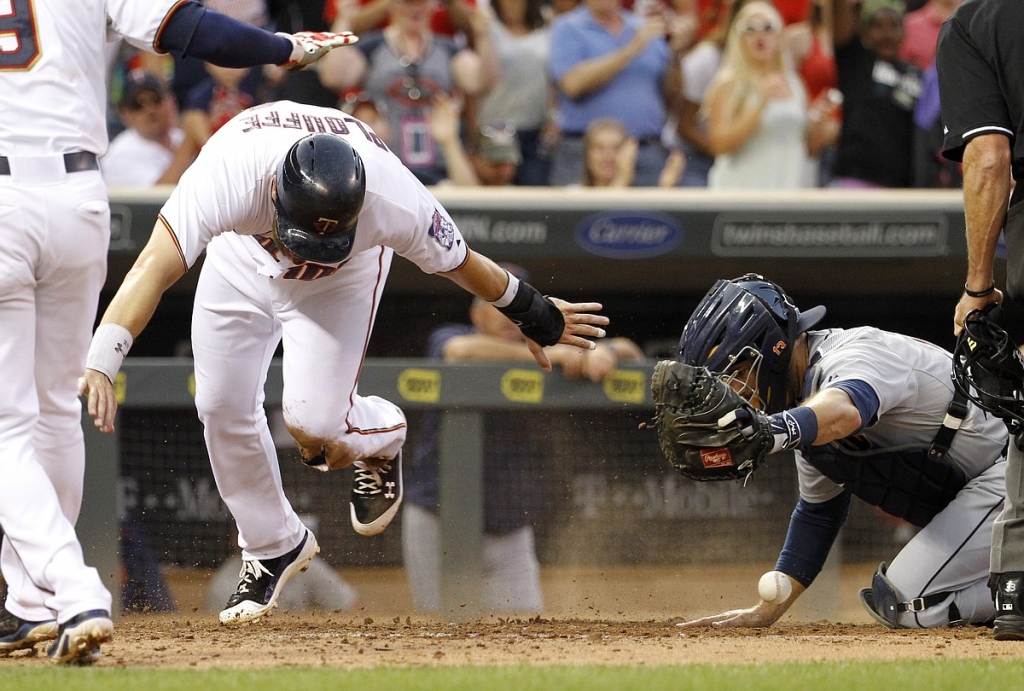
(698,427)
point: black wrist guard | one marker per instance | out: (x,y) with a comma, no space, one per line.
(535,315)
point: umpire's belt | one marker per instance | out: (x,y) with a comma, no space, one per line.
(74,162)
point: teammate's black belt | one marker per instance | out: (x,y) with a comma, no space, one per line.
(74,162)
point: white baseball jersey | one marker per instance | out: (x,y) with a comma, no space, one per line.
(250,297)
(227,190)
(55,226)
(53,91)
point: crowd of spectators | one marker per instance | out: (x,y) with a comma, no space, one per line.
(692,93)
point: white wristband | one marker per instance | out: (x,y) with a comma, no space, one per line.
(510,292)
(110,345)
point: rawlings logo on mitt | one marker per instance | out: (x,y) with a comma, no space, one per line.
(698,425)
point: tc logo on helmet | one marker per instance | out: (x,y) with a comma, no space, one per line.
(325,226)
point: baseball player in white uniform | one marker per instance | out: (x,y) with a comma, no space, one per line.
(300,210)
(870,414)
(55,226)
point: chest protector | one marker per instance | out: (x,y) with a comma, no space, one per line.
(909,483)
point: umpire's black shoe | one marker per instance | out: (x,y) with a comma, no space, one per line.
(19,634)
(260,582)
(1009,623)
(376,495)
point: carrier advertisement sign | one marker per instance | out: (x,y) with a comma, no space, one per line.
(628,234)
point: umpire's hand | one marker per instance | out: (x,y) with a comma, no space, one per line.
(102,403)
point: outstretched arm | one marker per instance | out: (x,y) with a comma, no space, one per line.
(812,531)
(157,268)
(545,321)
(191,30)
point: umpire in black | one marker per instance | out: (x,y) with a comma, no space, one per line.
(980,62)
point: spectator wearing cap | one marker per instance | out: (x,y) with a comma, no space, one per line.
(152,150)
(523,96)
(515,457)
(875,147)
(496,155)
(492,158)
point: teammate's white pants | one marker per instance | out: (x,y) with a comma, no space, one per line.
(511,572)
(1008,531)
(54,230)
(237,322)
(951,554)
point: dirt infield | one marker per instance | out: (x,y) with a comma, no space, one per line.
(622,616)
(177,641)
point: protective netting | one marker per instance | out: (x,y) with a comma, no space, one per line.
(596,487)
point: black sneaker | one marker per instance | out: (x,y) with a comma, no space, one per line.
(261,581)
(78,639)
(376,495)
(19,634)
(1009,623)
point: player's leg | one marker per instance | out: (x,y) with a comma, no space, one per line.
(512,572)
(421,556)
(234,335)
(950,555)
(49,282)
(1007,561)
(326,326)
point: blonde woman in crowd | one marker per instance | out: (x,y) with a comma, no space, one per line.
(761,129)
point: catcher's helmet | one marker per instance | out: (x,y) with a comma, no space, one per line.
(320,187)
(748,319)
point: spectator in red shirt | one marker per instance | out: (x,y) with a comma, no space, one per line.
(921,31)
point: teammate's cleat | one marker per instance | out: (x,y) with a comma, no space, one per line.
(376,495)
(1009,623)
(78,639)
(261,581)
(19,634)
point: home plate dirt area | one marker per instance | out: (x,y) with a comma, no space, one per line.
(346,641)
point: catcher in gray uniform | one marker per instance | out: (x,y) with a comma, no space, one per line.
(868,413)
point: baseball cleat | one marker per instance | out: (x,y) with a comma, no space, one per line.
(19,634)
(1009,623)
(376,495)
(260,582)
(78,639)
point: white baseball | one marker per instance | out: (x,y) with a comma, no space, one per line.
(774,586)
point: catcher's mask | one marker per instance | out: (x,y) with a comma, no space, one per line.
(320,188)
(987,367)
(748,320)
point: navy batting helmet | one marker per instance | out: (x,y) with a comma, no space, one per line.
(320,187)
(748,319)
